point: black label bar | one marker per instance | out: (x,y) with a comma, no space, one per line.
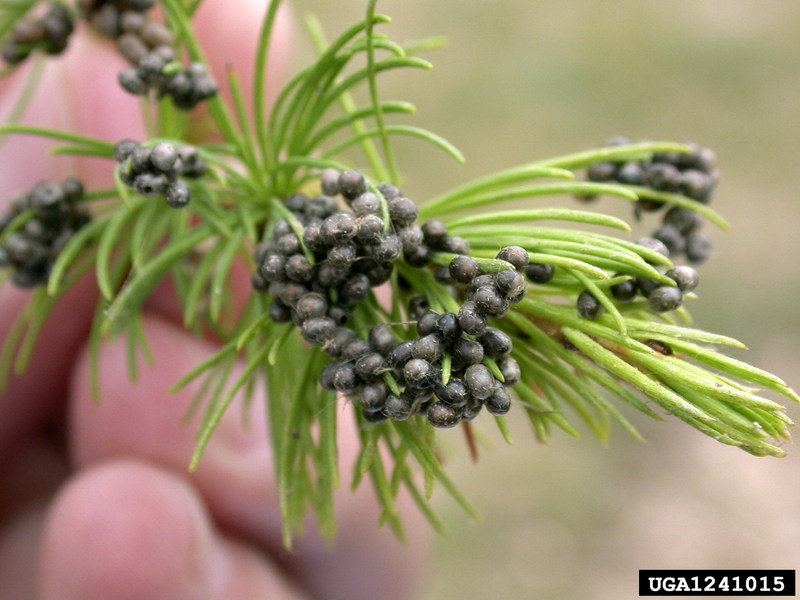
(720,583)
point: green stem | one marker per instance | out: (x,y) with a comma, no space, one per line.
(260,85)
(216,106)
(102,147)
(626,152)
(348,104)
(373,92)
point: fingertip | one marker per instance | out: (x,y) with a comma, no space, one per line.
(126,529)
(18,552)
(24,159)
(231,36)
(97,106)
(77,93)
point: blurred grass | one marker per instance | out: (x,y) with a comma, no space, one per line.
(527,80)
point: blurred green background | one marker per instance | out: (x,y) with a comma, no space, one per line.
(524,80)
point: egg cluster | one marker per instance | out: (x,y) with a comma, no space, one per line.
(319,264)
(338,254)
(660,297)
(694,175)
(49,33)
(51,215)
(149,48)
(440,374)
(157,170)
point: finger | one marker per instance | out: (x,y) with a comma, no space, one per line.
(165,301)
(99,107)
(236,476)
(79,92)
(213,23)
(61,102)
(24,159)
(252,575)
(30,399)
(130,530)
(216,22)
(146,420)
(31,474)
(18,552)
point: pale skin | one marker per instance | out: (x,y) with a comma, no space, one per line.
(96,501)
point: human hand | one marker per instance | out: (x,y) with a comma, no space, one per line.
(96,500)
